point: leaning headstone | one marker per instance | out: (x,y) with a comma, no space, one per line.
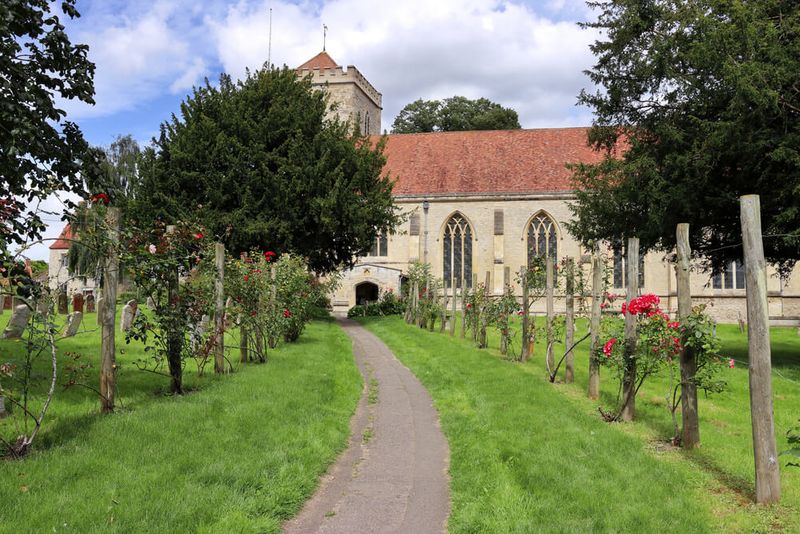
(99,311)
(128,314)
(74,320)
(63,303)
(77,302)
(90,303)
(151,303)
(19,320)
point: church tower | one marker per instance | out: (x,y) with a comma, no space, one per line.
(356,99)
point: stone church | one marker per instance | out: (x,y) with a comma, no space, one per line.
(478,202)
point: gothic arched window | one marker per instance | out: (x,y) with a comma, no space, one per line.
(542,239)
(457,251)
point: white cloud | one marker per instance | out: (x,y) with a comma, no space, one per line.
(500,50)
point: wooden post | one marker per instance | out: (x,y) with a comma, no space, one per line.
(475,312)
(272,341)
(463,309)
(525,351)
(690,435)
(219,311)
(453,308)
(597,289)
(569,324)
(632,287)
(768,482)
(484,317)
(549,264)
(108,365)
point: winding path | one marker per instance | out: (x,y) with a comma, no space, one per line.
(393,475)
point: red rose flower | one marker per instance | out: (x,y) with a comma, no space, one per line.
(287,313)
(607,348)
(198,235)
(99,197)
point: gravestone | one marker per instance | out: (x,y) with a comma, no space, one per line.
(7,300)
(63,304)
(77,302)
(151,303)
(128,314)
(198,332)
(3,412)
(90,303)
(19,320)
(43,305)
(74,320)
(100,311)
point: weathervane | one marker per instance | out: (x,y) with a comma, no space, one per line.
(324,36)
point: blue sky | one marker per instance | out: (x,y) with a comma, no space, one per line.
(526,55)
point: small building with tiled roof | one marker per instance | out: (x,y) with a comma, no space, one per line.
(59,277)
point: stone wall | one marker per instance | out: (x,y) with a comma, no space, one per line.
(356,98)
(493,253)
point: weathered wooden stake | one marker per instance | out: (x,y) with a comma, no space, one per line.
(453,308)
(525,351)
(484,317)
(597,289)
(569,324)
(219,311)
(690,435)
(768,481)
(632,287)
(108,365)
(463,310)
(550,289)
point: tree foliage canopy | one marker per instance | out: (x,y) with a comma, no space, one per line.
(259,165)
(703,99)
(40,152)
(454,114)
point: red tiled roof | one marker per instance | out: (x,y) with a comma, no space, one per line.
(496,161)
(63,242)
(320,61)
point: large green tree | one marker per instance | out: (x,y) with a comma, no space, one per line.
(454,114)
(699,103)
(257,163)
(40,152)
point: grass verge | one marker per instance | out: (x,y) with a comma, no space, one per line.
(530,456)
(239,454)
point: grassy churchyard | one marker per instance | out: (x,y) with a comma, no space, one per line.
(239,454)
(530,456)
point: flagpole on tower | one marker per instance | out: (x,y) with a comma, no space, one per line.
(269,46)
(324,36)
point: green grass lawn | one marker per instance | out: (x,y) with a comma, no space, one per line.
(530,456)
(238,454)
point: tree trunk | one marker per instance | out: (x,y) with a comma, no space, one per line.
(244,356)
(569,325)
(108,365)
(550,289)
(690,435)
(632,288)
(219,314)
(768,482)
(597,290)
(525,350)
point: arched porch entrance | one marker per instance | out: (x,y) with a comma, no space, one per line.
(366,292)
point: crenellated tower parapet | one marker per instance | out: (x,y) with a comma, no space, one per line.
(355,98)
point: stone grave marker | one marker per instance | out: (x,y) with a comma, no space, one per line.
(128,314)
(63,304)
(100,311)
(90,303)
(3,412)
(19,320)
(151,303)
(77,302)
(74,320)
